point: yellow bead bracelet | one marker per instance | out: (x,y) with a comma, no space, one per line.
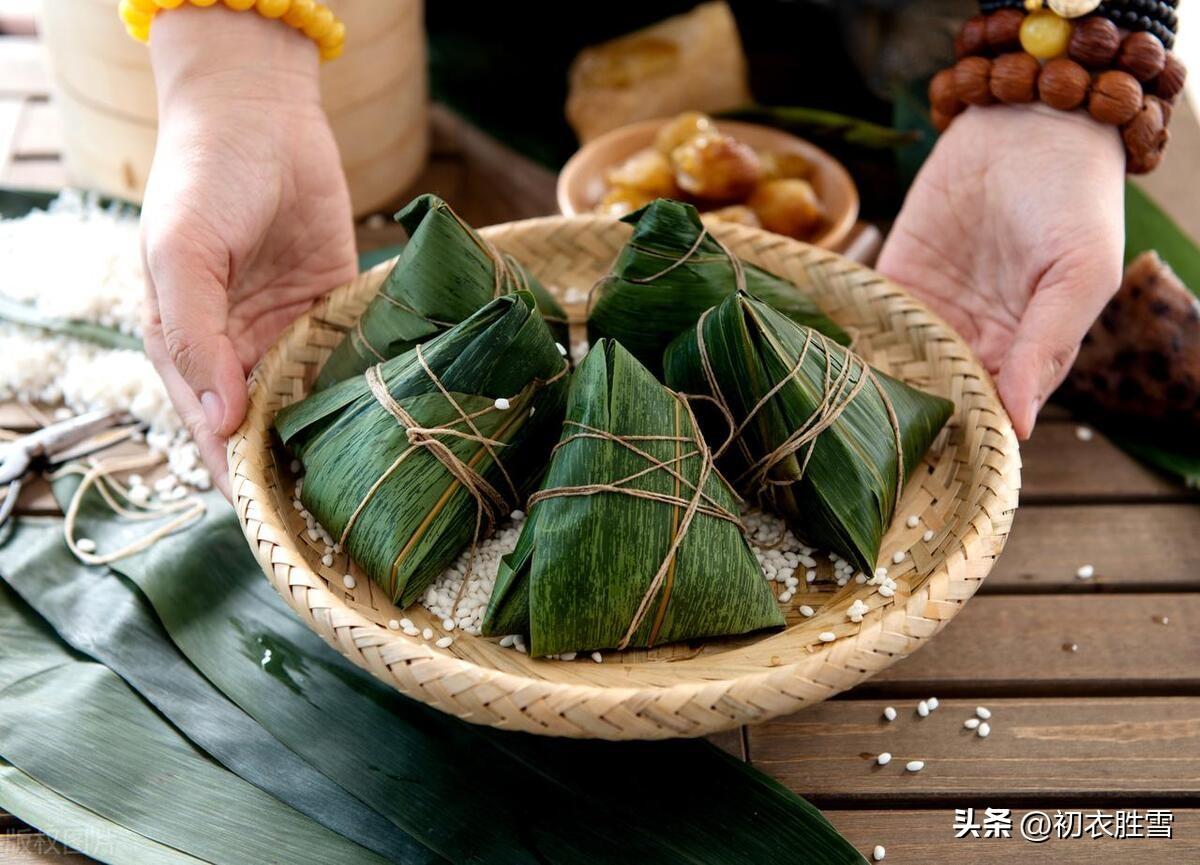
(314,20)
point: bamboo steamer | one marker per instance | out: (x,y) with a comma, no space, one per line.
(374,96)
(965,492)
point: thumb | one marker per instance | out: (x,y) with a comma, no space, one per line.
(189,291)
(1065,302)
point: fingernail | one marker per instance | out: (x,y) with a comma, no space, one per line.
(214,409)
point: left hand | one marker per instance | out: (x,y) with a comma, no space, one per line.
(1014,233)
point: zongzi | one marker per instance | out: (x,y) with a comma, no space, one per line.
(634,539)
(806,427)
(446,273)
(415,459)
(670,272)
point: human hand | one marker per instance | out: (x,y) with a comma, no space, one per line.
(1014,233)
(246,219)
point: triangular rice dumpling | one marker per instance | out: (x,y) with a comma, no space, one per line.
(670,272)
(411,462)
(446,273)
(818,434)
(634,538)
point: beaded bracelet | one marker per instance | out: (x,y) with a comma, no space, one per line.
(314,20)
(1157,17)
(1130,82)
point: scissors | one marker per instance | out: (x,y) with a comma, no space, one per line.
(53,444)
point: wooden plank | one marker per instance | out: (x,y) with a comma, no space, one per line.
(40,131)
(23,67)
(49,175)
(1040,751)
(19,17)
(1059,467)
(11,108)
(1018,645)
(1133,548)
(922,837)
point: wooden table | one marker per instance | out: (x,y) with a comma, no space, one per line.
(1093,685)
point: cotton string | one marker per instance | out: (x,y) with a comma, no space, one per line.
(101,476)
(699,502)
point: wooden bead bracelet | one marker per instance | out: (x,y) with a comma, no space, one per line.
(1128,82)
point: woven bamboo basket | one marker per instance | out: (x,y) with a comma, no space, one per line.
(966,492)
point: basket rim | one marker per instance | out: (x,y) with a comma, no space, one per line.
(409,664)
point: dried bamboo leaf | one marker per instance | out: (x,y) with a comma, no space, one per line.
(669,273)
(398,499)
(99,614)
(825,452)
(445,274)
(634,539)
(75,727)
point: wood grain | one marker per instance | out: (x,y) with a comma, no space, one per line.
(913,837)
(34,848)
(1143,548)
(1127,750)
(1010,645)
(1059,468)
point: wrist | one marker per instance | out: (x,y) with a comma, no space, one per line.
(202,53)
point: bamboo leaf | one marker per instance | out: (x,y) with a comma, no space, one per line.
(411,513)
(79,828)
(445,274)
(1148,227)
(76,728)
(591,558)
(99,614)
(24,314)
(818,123)
(837,488)
(473,793)
(669,273)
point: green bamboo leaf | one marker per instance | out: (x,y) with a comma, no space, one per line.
(474,794)
(77,827)
(591,558)
(839,489)
(1148,227)
(411,514)
(669,273)
(98,614)
(75,727)
(24,314)
(819,123)
(445,274)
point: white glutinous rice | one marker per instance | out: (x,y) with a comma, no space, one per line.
(502,404)
(86,545)
(562,349)
(889,712)
(878,853)
(983,712)
(349,582)
(985,730)
(807,611)
(884,758)
(444,642)
(857,610)
(1084,433)
(427,634)
(827,636)
(932,702)
(597,657)
(923,709)
(971,723)
(914,765)
(393,625)
(928,536)
(913,521)
(1085,572)
(898,557)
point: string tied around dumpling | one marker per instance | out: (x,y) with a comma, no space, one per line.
(838,392)
(695,502)
(490,503)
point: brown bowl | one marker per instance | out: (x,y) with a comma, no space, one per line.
(582,181)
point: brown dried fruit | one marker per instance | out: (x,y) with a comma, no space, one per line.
(1145,138)
(943,95)
(1094,42)
(972,37)
(1003,30)
(737,213)
(1170,81)
(680,128)
(789,207)
(1142,55)
(971,80)
(620,200)
(646,171)
(1014,77)
(1063,84)
(716,167)
(1116,96)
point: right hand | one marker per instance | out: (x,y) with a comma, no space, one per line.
(246,219)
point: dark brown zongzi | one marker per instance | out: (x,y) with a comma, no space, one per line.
(670,272)
(634,539)
(446,273)
(412,461)
(809,430)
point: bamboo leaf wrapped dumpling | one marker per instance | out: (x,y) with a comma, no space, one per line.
(414,460)
(446,273)
(670,272)
(634,538)
(818,436)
